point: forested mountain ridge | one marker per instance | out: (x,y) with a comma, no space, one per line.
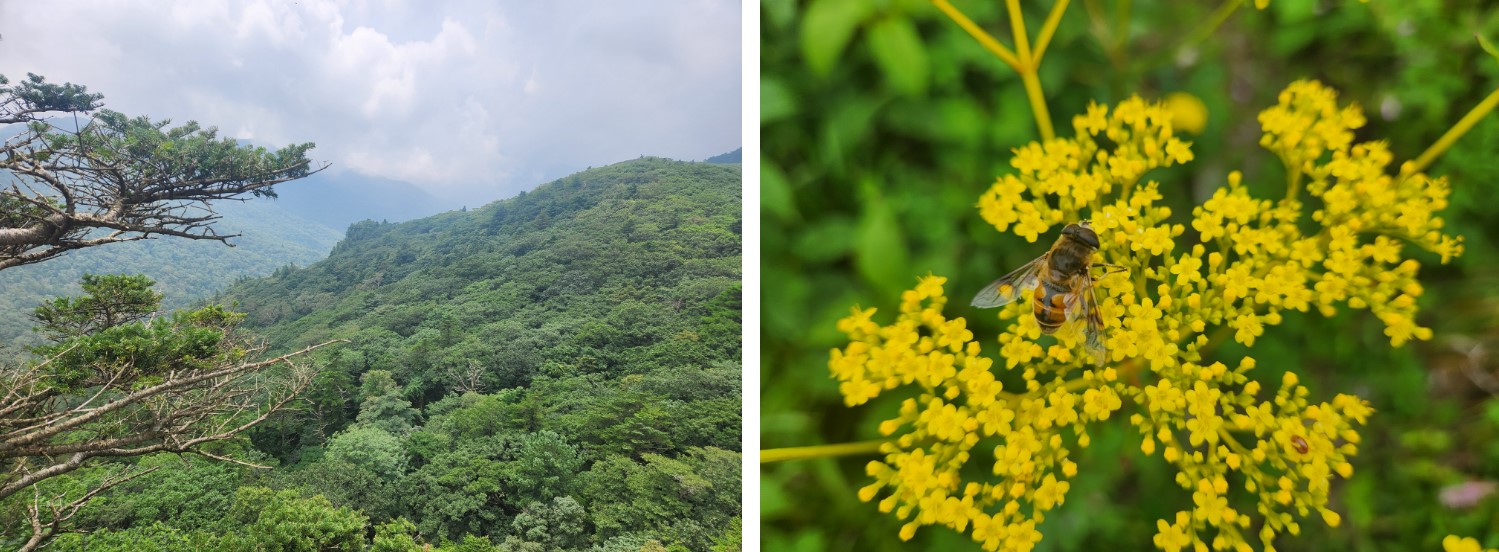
(555,371)
(646,243)
(735,156)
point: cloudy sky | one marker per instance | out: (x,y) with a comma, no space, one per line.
(471,100)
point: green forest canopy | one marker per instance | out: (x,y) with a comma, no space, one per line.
(556,371)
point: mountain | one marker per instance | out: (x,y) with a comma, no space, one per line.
(650,230)
(558,370)
(185,270)
(730,157)
(338,199)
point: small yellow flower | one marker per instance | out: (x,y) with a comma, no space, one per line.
(1454,543)
(1188,113)
(1173,537)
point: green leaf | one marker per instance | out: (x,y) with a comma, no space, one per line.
(881,247)
(1359,496)
(825,240)
(847,126)
(1487,46)
(773,500)
(900,54)
(1295,12)
(1491,412)
(777,13)
(809,541)
(777,101)
(826,29)
(775,192)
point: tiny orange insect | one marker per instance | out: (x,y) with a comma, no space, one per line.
(1300,444)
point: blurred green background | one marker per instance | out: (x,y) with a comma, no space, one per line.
(882,122)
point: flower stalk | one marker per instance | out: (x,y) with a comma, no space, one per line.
(983,37)
(1457,131)
(1023,60)
(1049,29)
(1202,32)
(820,451)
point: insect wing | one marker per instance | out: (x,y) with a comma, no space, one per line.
(1008,288)
(1093,322)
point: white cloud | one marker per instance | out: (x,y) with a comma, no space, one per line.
(414,164)
(277,24)
(532,86)
(471,99)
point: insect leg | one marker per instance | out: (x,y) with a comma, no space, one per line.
(1110,269)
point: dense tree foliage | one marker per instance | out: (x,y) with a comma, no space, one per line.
(554,372)
(115,383)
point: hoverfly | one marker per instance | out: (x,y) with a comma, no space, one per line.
(1063,287)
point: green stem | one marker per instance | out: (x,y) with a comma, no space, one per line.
(1048,29)
(1216,20)
(985,39)
(820,451)
(1294,187)
(1101,30)
(1038,105)
(1121,21)
(1028,73)
(1457,131)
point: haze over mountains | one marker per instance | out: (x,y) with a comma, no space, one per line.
(185,270)
(297,228)
(336,199)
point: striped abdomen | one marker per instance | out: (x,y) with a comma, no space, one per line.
(1058,284)
(1050,304)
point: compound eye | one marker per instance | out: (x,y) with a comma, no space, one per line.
(1087,236)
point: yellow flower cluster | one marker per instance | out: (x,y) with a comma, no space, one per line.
(1250,262)
(1284,450)
(962,405)
(1360,199)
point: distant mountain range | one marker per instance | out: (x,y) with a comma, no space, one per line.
(185,270)
(730,157)
(338,199)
